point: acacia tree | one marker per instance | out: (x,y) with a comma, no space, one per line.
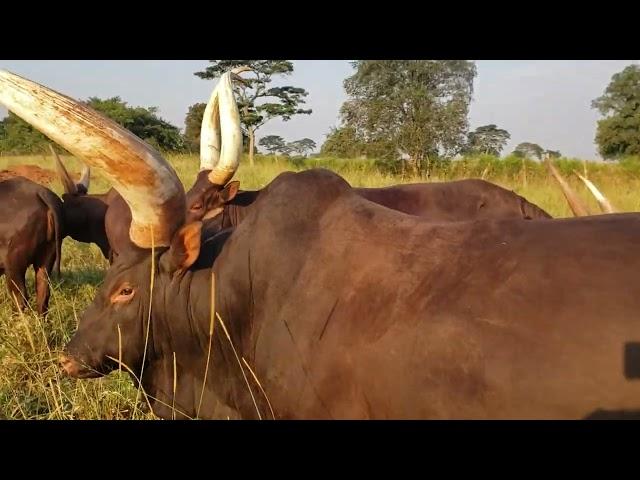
(487,139)
(279,102)
(272,143)
(619,133)
(528,150)
(417,107)
(302,146)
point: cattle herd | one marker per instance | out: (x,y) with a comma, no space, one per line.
(310,299)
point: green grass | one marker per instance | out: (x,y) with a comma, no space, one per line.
(31,386)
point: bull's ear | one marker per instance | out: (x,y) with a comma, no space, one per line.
(185,247)
(229,191)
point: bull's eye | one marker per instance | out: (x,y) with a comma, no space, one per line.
(123,295)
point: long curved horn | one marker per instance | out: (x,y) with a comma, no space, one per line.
(65,178)
(210,141)
(85,177)
(578,208)
(220,134)
(210,134)
(605,205)
(230,133)
(146,181)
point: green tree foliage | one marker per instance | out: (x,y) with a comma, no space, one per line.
(618,134)
(276,102)
(487,139)
(418,107)
(272,143)
(528,150)
(342,143)
(143,122)
(553,153)
(17,136)
(192,125)
(303,146)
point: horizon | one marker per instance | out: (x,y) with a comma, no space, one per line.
(547,102)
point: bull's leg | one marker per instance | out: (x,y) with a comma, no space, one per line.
(43,270)
(17,288)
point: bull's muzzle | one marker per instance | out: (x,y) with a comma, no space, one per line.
(70,366)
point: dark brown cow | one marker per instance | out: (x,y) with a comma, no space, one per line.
(458,200)
(345,309)
(84,213)
(31,233)
(342,308)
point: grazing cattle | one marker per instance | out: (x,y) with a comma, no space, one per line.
(331,306)
(31,233)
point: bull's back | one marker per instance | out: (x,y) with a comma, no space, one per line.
(453,201)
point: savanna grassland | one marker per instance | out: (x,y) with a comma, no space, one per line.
(31,386)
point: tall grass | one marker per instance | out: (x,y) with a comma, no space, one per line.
(31,386)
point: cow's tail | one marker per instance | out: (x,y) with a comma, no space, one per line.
(55,225)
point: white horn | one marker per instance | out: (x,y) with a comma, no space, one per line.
(85,177)
(138,172)
(605,206)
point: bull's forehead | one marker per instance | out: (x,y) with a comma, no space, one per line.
(132,263)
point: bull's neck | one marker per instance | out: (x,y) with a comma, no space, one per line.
(182,327)
(236,210)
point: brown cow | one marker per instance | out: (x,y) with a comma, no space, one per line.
(336,307)
(458,200)
(31,233)
(345,309)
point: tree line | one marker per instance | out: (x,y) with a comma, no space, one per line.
(413,111)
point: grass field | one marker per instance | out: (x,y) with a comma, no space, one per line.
(31,386)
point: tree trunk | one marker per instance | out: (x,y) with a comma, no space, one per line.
(413,161)
(428,165)
(252,139)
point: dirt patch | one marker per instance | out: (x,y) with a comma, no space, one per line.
(34,173)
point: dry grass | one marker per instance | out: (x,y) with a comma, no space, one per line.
(31,386)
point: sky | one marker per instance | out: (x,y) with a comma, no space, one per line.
(547,102)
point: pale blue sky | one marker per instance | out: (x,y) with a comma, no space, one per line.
(545,102)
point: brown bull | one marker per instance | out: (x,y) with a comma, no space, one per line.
(458,200)
(336,307)
(31,233)
(344,309)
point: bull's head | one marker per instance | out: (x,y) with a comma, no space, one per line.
(220,152)
(84,214)
(114,326)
